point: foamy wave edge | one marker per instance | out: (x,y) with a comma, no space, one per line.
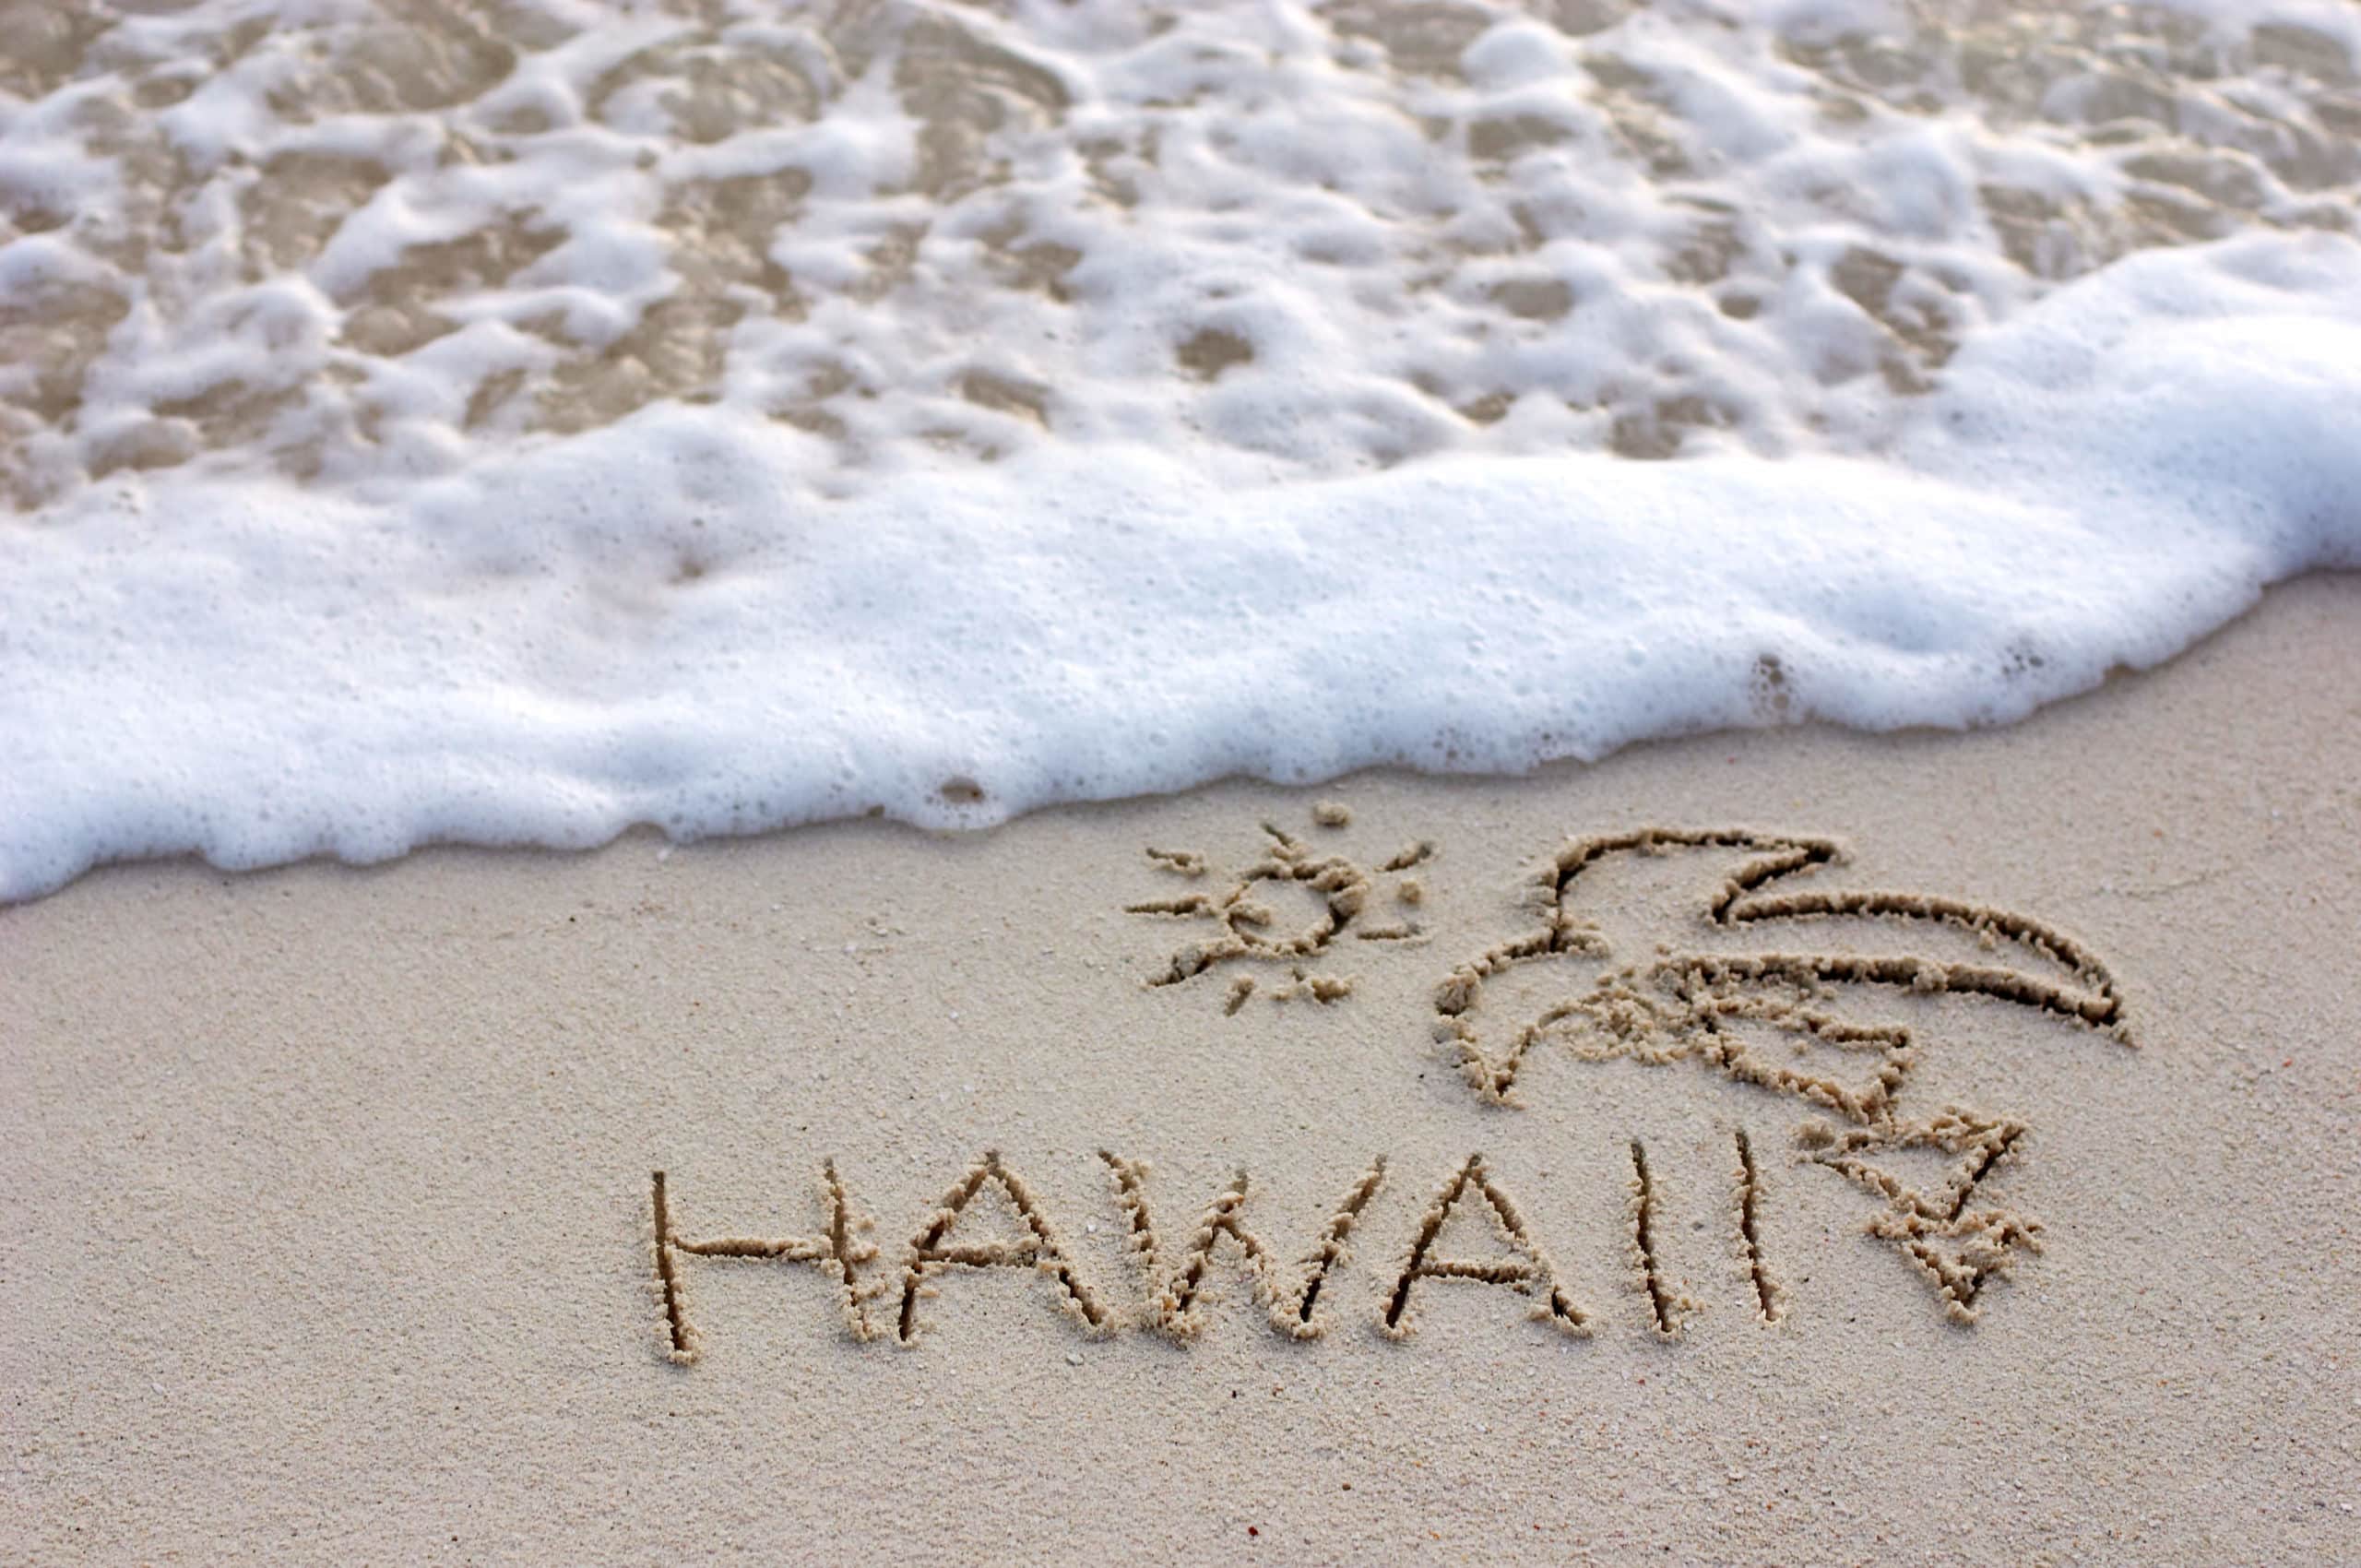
(661,624)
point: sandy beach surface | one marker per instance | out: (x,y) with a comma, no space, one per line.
(334,1231)
(429,423)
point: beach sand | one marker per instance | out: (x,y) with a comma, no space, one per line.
(332,1228)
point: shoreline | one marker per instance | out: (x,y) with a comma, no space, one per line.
(653,834)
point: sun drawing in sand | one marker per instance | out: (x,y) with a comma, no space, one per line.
(1248,936)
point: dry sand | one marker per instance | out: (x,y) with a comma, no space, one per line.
(332,1231)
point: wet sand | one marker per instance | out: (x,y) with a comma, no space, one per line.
(335,1229)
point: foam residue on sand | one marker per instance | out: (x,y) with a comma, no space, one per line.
(434,428)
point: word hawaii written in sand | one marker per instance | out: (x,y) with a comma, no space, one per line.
(1471,1231)
(1766,1019)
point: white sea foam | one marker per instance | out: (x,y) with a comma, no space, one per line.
(430,430)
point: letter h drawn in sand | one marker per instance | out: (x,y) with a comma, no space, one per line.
(837,1253)
(1708,1007)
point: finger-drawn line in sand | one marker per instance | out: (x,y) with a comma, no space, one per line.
(679,1331)
(1529,1272)
(1667,1305)
(1246,923)
(1698,1005)
(1747,1200)
(1175,1289)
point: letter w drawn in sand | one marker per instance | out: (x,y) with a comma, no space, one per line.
(1178,1285)
(1672,1006)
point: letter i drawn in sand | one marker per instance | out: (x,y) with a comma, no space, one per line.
(1667,1305)
(1746,1202)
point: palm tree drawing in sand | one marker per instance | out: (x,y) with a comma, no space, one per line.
(1766,1018)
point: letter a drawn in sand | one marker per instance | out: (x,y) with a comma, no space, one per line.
(1528,1271)
(1036,1247)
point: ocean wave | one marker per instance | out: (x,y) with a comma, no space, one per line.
(511,424)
